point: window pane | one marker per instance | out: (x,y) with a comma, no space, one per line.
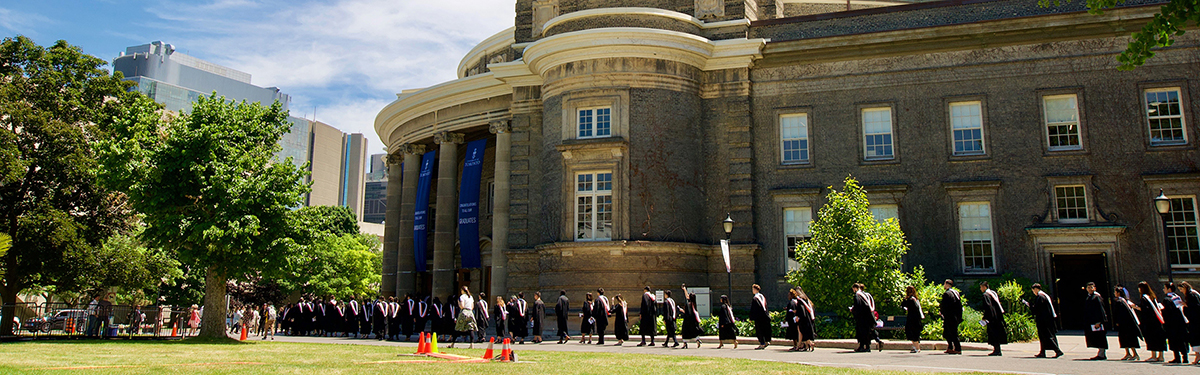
(1071,202)
(967,122)
(603,122)
(794,138)
(1164,117)
(975,230)
(585,123)
(883,212)
(1183,236)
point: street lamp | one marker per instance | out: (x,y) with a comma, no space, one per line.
(728,223)
(1163,205)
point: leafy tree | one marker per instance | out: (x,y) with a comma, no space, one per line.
(207,187)
(5,243)
(51,205)
(332,257)
(1170,22)
(849,246)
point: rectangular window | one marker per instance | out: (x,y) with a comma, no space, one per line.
(877,133)
(966,120)
(1165,117)
(882,212)
(1062,122)
(795,227)
(595,122)
(793,133)
(1071,203)
(593,207)
(975,228)
(491,196)
(1183,239)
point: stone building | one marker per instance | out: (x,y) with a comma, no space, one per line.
(621,133)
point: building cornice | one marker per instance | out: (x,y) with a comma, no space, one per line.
(411,105)
(495,43)
(624,42)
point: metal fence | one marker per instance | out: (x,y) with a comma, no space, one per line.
(63,320)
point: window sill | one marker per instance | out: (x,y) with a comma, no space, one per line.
(1065,152)
(795,166)
(892,160)
(969,157)
(1169,147)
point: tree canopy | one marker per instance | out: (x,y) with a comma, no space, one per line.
(52,207)
(849,246)
(1170,22)
(206,186)
(332,258)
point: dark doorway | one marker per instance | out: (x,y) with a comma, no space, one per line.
(1072,273)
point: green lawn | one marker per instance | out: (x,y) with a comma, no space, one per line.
(285,358)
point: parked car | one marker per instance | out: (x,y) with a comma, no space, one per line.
(58,321)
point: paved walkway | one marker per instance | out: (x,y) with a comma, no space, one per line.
(1017,359)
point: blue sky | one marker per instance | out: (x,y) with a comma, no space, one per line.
(345,58)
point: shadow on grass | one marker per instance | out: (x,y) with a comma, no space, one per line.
(186,341)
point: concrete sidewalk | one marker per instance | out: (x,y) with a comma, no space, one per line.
(1017,359)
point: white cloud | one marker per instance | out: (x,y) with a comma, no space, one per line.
(21,22)
(349,57)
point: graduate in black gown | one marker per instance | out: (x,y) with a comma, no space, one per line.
(1175,324)
(379,315)
(914,322)
(691,320)
(993,318)
(670,314)
(408,317)
(761,317)
(950,309)
(1095,317)
(863,312)
(449,312)
(482,316)
(808,321)
(422,316)
(1191,310)
(620,314)
(791,318)
(586,323)
(1150,316)
(600,312)
(521,318)
(726,329)
(1046,318)
(1125,320)
(647,310)
(538,314)
(500,318)
(561,311)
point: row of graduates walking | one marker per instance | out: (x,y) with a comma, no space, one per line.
(597,309)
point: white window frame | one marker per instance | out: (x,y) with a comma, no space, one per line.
(1076,123)
(890,134)
(595,193)
(1172,226)
(991,238)
(1182,119)
(877,208)
(594,116)
(789,249)
(954,140)
(805,152)
(1059,200)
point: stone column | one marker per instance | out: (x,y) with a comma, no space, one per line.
(447,213)
(391,227)
(503,131)
(406,265)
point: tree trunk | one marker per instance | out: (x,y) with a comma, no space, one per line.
(9,309)
(212,324)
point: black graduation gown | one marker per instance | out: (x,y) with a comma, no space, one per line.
(1044,317)
(864,320)
(482,320)
(646,324)
(350,316)
(600,313)
(1125,320)
(951,310)
(726,330)
(691,322)
(1093,313)
(993,313)
(561,311)
(585,327)
(792,318)
(422,317)
(762,320)
(1152,328)
(620,322)
(670,313)
(499,316)
(520,318)
(1192,312)
(379,315)
(406,317)
(538,314)
(913,325)
(1174,325)
(449,313)
(807,326)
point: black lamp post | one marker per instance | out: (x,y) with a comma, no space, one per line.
(728,223)
(1163,205)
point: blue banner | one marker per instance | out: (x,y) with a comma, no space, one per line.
(468,205)
(421,214)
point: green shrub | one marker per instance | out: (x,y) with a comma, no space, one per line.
(1020,328)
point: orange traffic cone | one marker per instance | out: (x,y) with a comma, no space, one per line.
(489,354)
(175,329)
(434,343)
(243,334)
(421,343)
(505,351)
